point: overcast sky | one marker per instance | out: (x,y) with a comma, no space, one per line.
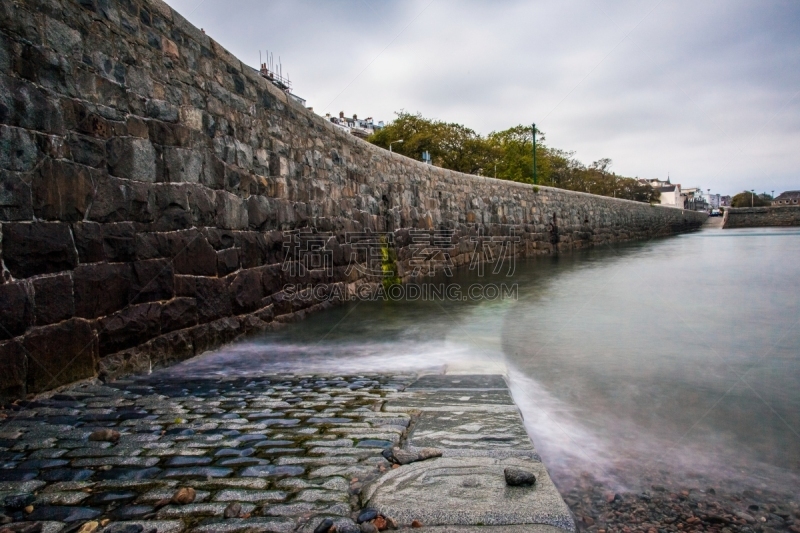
(708,92)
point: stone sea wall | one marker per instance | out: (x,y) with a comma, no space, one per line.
(750,217)
(148,180)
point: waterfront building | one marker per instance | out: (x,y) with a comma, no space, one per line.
(359,127)
(787,198)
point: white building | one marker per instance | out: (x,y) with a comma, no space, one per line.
(359,127)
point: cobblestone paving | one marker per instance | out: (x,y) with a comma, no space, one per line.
(290,449)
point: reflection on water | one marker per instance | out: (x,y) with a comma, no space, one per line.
(678,355)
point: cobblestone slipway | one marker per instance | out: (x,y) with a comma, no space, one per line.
(292,450)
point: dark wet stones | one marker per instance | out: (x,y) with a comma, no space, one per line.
(373,443)
(132,512)
(18,475)
(233,510)
(328,420)
(234,452)
(188,460)
(272,471)
(368,527)
(324,526)
(241,461)
(18,501)
(128,474)
(37,464)
(198,472)
(61,513)
(124,528)
(66,474)
(103,498)
(366,515)
(518,477)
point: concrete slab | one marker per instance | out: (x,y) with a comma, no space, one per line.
(469,491)
(458,381)
(470,430)
(449,397)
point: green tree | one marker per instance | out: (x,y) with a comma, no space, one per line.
(509,154)
(747,199)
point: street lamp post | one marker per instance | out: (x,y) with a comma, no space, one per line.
(535,181)
(391,143)
(752,195)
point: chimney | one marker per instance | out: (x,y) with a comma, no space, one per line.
(355,117)
(341,114)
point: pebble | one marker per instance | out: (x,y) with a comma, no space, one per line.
(416,524)
(105,435)
(518,477)
(368,527)
(233,510)
(183,496)
(324,526)
(366,515)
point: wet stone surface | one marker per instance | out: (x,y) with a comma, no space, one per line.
(291,450)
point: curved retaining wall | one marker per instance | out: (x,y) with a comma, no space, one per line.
(749,217)
(148,177)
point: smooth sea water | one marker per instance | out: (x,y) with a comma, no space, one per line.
(674,359)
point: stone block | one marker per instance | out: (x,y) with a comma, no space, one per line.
(132,158)
(213,298)
(38,248)
(161,110)
(53,299)
(167,134)
(14,363)
(87,150)
(246,291)
(189,251)
(178,313)
(89,241)
(16,310)
(195,256)
(27,106)
(203,205)
(182,165)
(220,239)
(227,261)
(101,288)
(153,280)
(130,327)
(119,199)
(254,247)
(208,336)
(172,207)
(60,354)
(18,149)
(259,212)
(15,196)
(231,211)
(119,242)
(62,191)
(172,348)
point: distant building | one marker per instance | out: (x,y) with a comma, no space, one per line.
(714,200)
(725,201)
(787,198)
(359,127)
(671,195)
(694,199)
